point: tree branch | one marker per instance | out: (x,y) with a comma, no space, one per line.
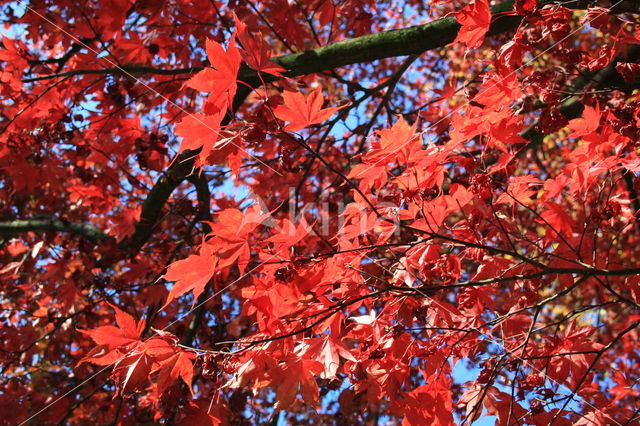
(126,69)
(181,167)
(16,227)
(386,44)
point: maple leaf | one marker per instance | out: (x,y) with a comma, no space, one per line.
(401,140)
(603,56)
(16,248)
(179,365)
(230,235)
(628,71)
(496,90)
(475,19)
(14,62)
(327,351)
(255,52)
(558,218)
(429,404)
(623,386)
(131,373)
(133,50)
(521,188)
(587,124)
(510,57)
(507,131)
(303,112)
(205,416)
(288,235)
(203,131)
(554,186)
(191,274)
(235,224)
(297,375)
(109,338)
(371,176)
(570,368)
(221,80)
(124,223)
(251,372)
(500,404)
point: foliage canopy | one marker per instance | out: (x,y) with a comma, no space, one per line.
(329,211)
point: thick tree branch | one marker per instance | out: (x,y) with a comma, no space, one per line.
(151,208)
(204,198)
(127,69)
(386,44)
(157,198)
(368,48)
(52,224)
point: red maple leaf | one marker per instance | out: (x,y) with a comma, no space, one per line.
(475,20)
(205,415)
(303,112)
(179,365)
(429,404)
(575,341)
(587,124)
(255,52)
(297,375)
(191,274)
(110,338)
(220,80)
(203,131)
(628,71)
(396,142)
(131,372)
